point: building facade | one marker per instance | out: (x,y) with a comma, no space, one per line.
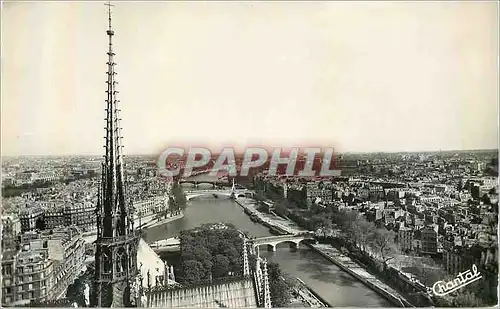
(319,191)
(30,218)
(405,238)
(43,267)
(150,205)
(57,214)
(428,237)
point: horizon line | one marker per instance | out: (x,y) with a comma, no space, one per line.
(344,152)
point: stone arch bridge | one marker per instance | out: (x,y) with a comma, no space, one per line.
(214,183)
(217,192)
(272,241)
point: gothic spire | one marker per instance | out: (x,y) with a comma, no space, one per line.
(117,241)
(113,146)
(113,186)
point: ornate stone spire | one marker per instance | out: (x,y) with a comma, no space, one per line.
(117,241)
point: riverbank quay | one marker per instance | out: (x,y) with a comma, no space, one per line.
(172,244)
(90,237)
(274,223)
(358,272)
(345,263)
(310,296)
(297,297)
(163,221)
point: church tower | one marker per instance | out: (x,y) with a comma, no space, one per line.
(117,241)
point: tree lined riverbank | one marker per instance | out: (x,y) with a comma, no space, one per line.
(335,286)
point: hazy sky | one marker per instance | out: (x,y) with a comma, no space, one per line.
(358,76)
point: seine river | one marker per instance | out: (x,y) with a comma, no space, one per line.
(338,288)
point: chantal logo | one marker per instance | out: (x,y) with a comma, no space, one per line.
(312,162)
(442,288)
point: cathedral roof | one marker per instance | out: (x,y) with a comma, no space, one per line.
(232,293)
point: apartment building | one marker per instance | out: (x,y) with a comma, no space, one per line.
(405,238)
(30,218)
(428,237)
(29,177)
(54,217)
(150,205)
(51,215)
(11,222)
(81,214)
(43,267)
(319,191)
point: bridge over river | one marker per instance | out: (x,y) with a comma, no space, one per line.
(273,241)
(191,194)
(173,244)
(338,288)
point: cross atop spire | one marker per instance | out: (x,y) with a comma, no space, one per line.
(109,5)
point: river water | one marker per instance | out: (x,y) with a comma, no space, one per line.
(338,288)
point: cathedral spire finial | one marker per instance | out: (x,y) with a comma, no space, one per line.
(109,5)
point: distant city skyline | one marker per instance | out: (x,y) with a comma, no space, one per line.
(360,77)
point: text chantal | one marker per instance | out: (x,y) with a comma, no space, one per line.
(442,288)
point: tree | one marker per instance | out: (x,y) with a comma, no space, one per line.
(384,245)
(320,221)
(220,266)
(192,272)
(347,221)
(426,270)
(282,207)
(363,232)
(466,299)
(74,292)
(217,249)
(280,293)
(177,199)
